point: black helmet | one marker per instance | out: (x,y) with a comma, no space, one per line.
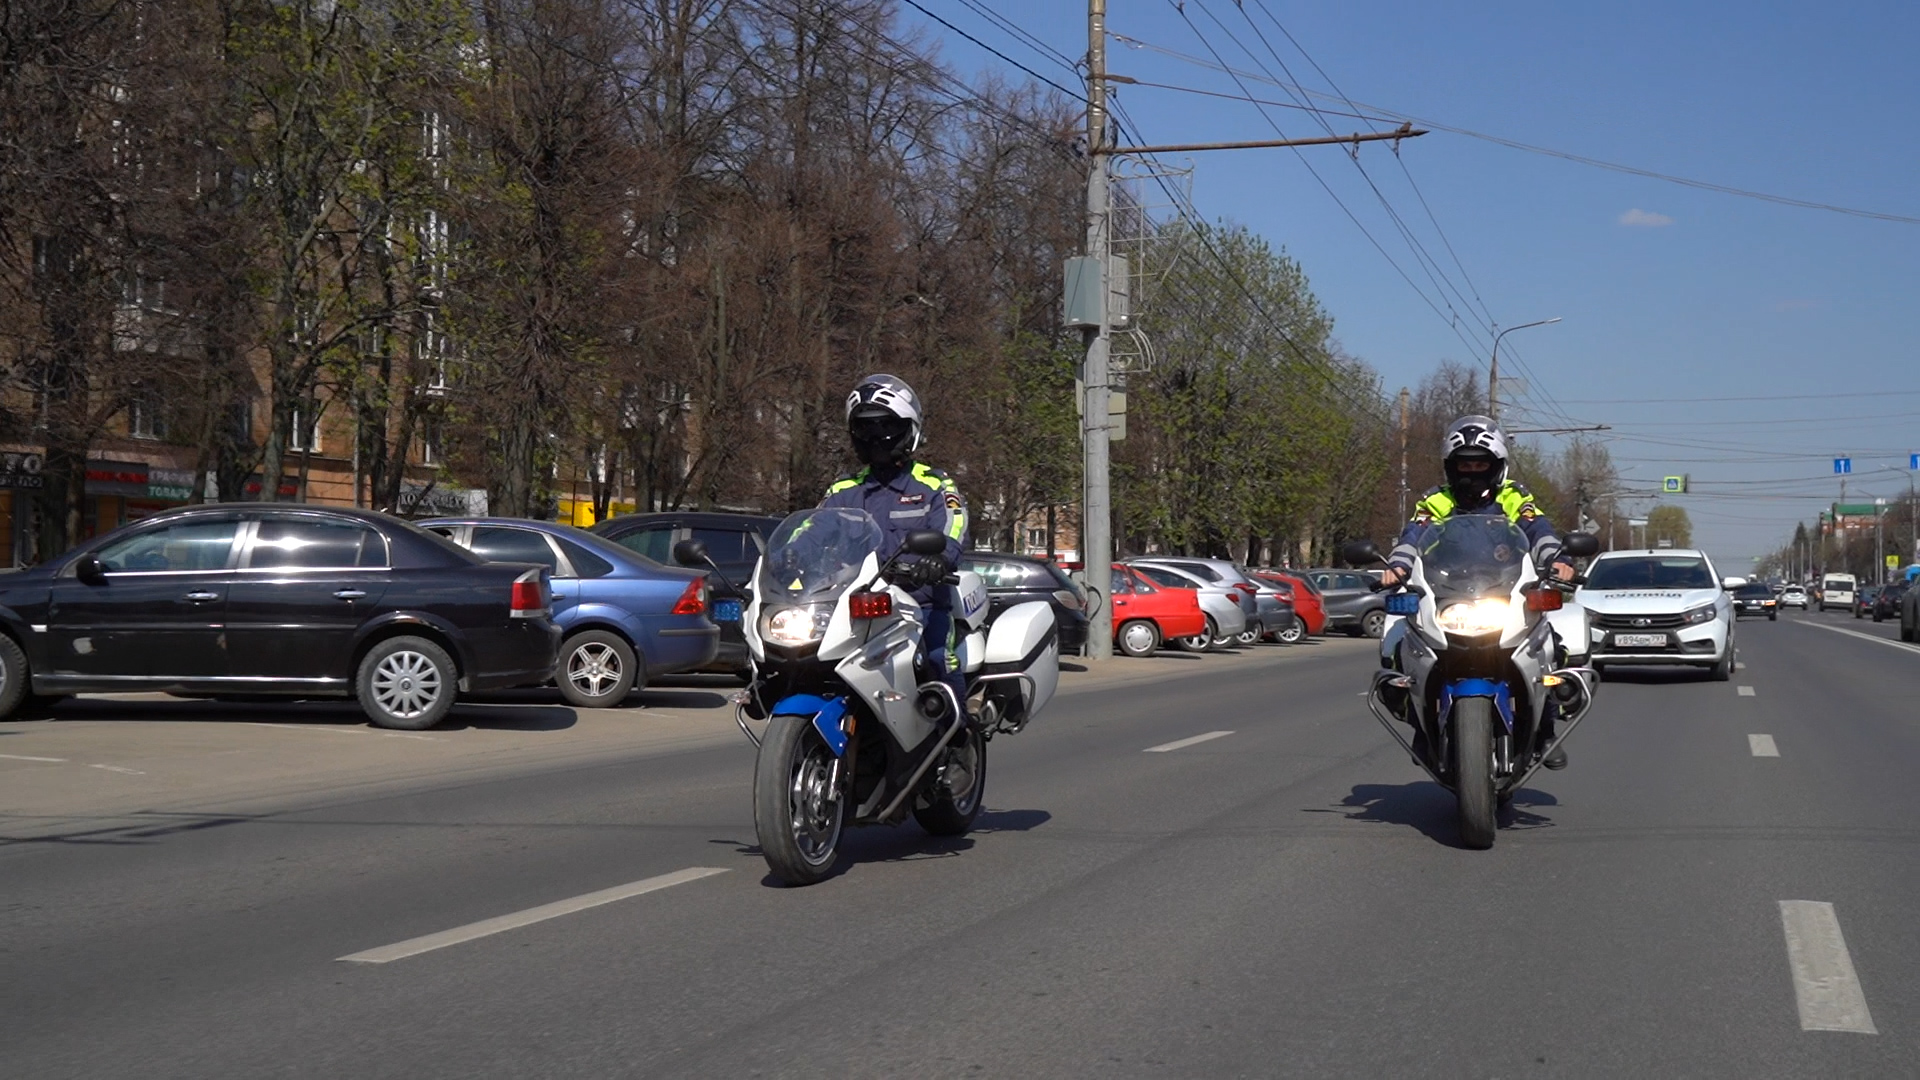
(1470,438)
(883,419)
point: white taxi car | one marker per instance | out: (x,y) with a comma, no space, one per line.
(1658,607)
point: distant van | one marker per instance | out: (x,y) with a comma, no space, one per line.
(1836,590)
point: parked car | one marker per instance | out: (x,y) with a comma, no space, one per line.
(1886,605)
(1863,598)
(1228,609)
(1308,609)
(1266,615)
(261,598)
(1277,620)
(1146,614)
(1353,600)
(1017,579)
(1755,598)
(1794,596)
(734,542)
(624,619)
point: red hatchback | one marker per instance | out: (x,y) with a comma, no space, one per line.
(1144,614)
(1306,598)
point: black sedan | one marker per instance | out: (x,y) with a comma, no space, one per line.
(1017,579)
(1755,598)
(252,598)
(1886,603)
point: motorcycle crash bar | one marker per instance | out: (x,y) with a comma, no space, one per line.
(913,782)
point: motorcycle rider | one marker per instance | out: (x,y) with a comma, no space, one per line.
(904,496)
(1474,456)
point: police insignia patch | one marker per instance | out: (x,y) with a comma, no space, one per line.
(953,500)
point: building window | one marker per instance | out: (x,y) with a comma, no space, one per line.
(145,419)
(304,427)
(1036,538)
(427,439)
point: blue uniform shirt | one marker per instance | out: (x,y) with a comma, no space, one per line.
(903,501)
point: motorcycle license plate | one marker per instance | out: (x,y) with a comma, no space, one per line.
(1639,641)
(726,611)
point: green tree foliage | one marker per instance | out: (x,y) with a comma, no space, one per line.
(1669,523)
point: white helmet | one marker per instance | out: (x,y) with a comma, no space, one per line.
(1475,437)
(884,418)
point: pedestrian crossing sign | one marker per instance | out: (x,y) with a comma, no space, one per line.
(1674,485)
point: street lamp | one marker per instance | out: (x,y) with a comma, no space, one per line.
(1493,369)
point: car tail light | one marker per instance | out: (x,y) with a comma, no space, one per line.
(694,600)
(1245,587)
(1545,599)
(1069,599)
(529,599)
(870,605)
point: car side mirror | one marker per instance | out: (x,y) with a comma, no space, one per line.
(926,542)
(690,553)
(1361,553)
(1581,545)
(90,570)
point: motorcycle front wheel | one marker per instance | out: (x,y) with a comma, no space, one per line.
(796,816)
(955,793)
(1473,770)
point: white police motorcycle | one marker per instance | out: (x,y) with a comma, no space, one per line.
(852,736)
(1477,664)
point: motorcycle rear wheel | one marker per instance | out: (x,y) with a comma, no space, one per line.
(949,812)
(796,818)
(1473,770)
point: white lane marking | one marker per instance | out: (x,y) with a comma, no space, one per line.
(1762,746)
(499,924)
(1865,637)
(1824,981)
(24,757)
(1746,691)
(1178,744)
(339,730)
(118,769)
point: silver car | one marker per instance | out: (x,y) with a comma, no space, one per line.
(1229,610)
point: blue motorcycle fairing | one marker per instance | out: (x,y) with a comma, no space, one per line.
(826,713)
(1487,688)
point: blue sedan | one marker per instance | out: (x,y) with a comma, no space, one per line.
(623,618)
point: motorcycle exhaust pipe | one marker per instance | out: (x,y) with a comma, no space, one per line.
(959,724)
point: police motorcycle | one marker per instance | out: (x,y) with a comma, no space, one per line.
(1477,665)
(852,736)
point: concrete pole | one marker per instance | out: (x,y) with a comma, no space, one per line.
(1096,514)
(1403,453)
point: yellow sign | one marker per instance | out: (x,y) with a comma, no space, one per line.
(1893,562)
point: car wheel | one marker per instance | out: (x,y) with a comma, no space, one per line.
(407,683)
(14,677)
(1373,624)
(596,669)
(1292,634)
(1250,636)
(1138,638)
(1722,670)
(1774,616)
(1203,641)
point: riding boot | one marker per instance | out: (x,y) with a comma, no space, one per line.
(1556,760)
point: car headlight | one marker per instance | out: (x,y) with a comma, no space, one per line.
(1484,616)
(1700,615)
(793,626)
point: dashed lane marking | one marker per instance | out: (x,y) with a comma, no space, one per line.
(488,927)
(1762,746)
(1901,645)
(1179,744)
(1746,691)
(1824,982)
(24,757)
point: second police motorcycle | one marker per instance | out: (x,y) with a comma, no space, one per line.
(852,735)
(1478,669)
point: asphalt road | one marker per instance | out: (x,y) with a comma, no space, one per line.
(1285,899)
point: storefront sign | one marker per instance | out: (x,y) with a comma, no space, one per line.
(117,478)
(422,501)
(175,485)
(21,471)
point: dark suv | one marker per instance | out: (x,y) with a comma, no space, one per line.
(252,598)
(734,543)
(1018,579)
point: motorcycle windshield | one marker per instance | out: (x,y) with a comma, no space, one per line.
(816,554)
(1472,556)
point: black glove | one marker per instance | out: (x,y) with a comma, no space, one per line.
(920,573)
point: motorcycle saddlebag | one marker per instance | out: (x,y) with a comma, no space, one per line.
(1025,639)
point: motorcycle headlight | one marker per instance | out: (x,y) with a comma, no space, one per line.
(1486,615)
(794,626)
(1700,615)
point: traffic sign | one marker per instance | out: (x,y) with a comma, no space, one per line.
(1913,461)
(1674,485)
(1842,466)
(1893,562)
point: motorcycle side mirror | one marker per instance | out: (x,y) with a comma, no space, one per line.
(926,542)
(1361,553)
(1581,545)
(90,570)
(691,553)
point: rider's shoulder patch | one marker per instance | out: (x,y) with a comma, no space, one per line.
(953,500)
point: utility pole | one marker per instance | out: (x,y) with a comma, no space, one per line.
(1096,508)
(1493,368)
(1403,453)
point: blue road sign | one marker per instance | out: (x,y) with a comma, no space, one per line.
(1842,466)
(1913,461)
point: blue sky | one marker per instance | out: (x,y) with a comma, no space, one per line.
(1674,300)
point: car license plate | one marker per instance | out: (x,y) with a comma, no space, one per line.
(726,611)
(1639,641)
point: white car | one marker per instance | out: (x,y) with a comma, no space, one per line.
(1794,596)
(1658,607)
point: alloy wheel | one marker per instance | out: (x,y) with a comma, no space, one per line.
(594,668)
(815,807)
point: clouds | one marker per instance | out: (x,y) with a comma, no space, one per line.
(1645,219)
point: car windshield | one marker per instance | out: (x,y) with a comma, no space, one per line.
(1761,592)
(1651,572)
(1473,555)
(816,554)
